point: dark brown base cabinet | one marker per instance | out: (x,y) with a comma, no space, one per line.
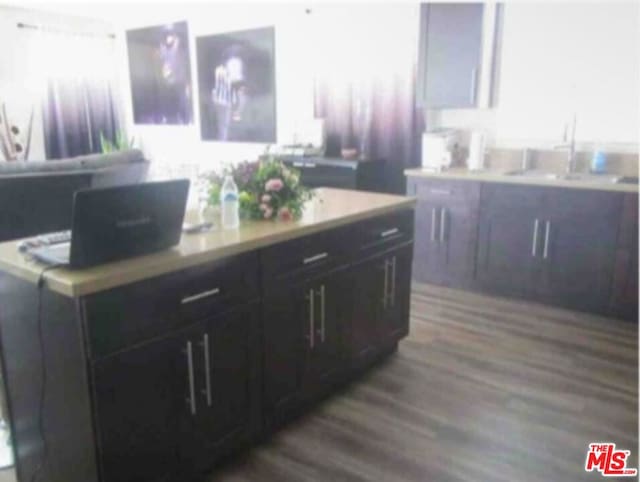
(160,379)
(333,311)
(446,220)
(179,401)
(567,247)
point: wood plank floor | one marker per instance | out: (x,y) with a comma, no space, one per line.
(483,389)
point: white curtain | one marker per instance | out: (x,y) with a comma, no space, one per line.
(74,78)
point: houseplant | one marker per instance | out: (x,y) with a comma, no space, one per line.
(268,189)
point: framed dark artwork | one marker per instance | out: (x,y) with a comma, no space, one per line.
(160,72)
(236,78)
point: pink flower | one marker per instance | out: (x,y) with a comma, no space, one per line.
(285,214)
(273,185)
(266,198)
(268,213)
(263,207)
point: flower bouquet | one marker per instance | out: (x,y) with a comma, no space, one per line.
(268,189)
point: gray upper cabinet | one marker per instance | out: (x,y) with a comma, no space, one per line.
(450,55)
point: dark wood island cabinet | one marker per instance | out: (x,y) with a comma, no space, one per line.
(159,367)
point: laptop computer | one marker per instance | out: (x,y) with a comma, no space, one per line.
(114,223)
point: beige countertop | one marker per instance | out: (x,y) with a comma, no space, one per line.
(500,176)
(330,208)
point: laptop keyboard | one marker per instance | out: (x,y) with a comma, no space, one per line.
(54,238)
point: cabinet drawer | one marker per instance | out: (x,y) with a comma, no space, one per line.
(563,203)
(510,197)
(384,232)
(133,313)
(306,255)
(448,192)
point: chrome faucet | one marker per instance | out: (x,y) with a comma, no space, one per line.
(569,143)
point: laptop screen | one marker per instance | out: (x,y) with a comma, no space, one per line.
(119,222)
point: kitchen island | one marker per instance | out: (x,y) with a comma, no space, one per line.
(155,368)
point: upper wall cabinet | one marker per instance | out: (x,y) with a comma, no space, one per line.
(450,54)
(458,55)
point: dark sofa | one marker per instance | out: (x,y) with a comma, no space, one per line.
(36,196)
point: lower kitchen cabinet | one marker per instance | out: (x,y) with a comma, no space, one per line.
(446,231)
(578,241)
(575,248)
(227,388)
(553,245)
(508,246)
(624,291)
(160,378)
(178,401)
(141,408)
(304,323)
(381,292)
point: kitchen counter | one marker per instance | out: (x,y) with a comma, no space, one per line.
(159,367)
(330,208)
(503,177)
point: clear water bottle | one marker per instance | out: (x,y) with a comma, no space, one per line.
(229,204)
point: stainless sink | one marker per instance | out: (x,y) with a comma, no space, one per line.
(574,176)
(587,177)
(534,174)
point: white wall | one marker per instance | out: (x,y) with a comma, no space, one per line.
(294,85)
(558,58)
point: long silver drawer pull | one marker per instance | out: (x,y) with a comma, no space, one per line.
(433,224)
(322,313)
(534,244)
(546,240)
(192,398)
(386,283)
(207,369)
(199,296)
(304,164)
(311,319)
(389,232)
(393,281)
(314,258)
(444,192)
(443,219)
(473,87)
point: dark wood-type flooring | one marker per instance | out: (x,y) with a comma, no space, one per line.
(483,389)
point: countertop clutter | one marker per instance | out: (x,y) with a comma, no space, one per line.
(330,208)
(531,178)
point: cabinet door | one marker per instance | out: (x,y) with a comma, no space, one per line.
(428,256)
(327,318)
(578,248)
(624,290)
(508,248)
(286,339)
(304,324)
(227,386)
(451,43)
(457,235)
(393,324)
(142,406)
(369,289)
